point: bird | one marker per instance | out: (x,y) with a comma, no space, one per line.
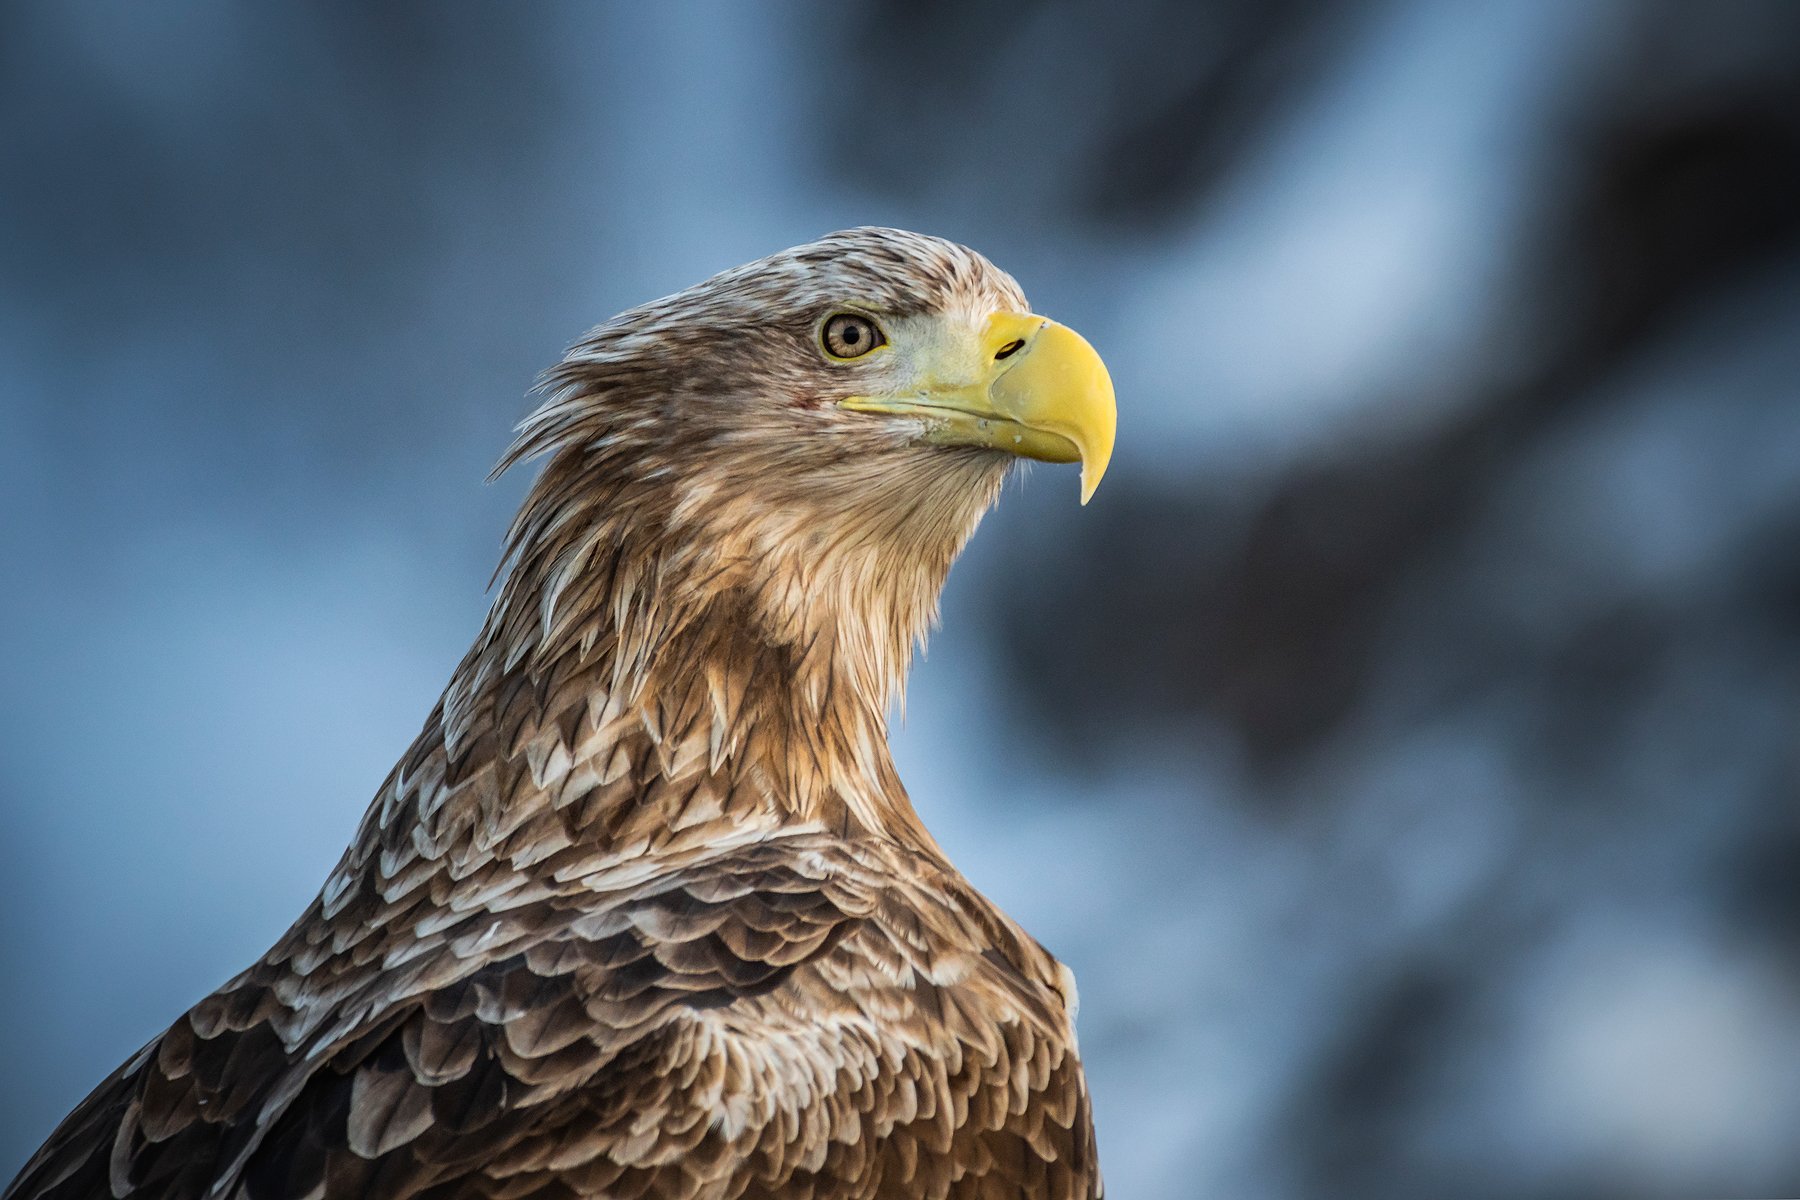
(645,911)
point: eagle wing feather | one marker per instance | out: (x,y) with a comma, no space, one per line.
(780,1021)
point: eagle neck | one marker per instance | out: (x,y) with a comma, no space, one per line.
(651,683)
(675,657)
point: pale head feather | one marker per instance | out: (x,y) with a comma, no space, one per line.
(694,443)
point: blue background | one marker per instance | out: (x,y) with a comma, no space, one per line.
(1402,747)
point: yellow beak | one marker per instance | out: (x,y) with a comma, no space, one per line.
(1042,393)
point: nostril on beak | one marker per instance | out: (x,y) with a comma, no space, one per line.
(1011,348)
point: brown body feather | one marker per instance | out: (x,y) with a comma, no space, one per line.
(645,911)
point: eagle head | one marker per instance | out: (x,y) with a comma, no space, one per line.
(819,430)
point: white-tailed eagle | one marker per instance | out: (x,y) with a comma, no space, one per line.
(645,912)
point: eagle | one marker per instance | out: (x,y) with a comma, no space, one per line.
(645,911)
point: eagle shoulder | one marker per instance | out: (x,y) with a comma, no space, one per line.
(798,1014)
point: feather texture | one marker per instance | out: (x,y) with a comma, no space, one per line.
(645,911)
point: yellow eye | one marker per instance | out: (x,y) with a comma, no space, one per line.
(849,335)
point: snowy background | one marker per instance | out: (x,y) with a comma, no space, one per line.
(1407,739)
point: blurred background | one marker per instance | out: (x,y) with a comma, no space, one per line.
(1406,751)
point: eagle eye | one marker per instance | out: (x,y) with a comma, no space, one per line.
(850,335)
